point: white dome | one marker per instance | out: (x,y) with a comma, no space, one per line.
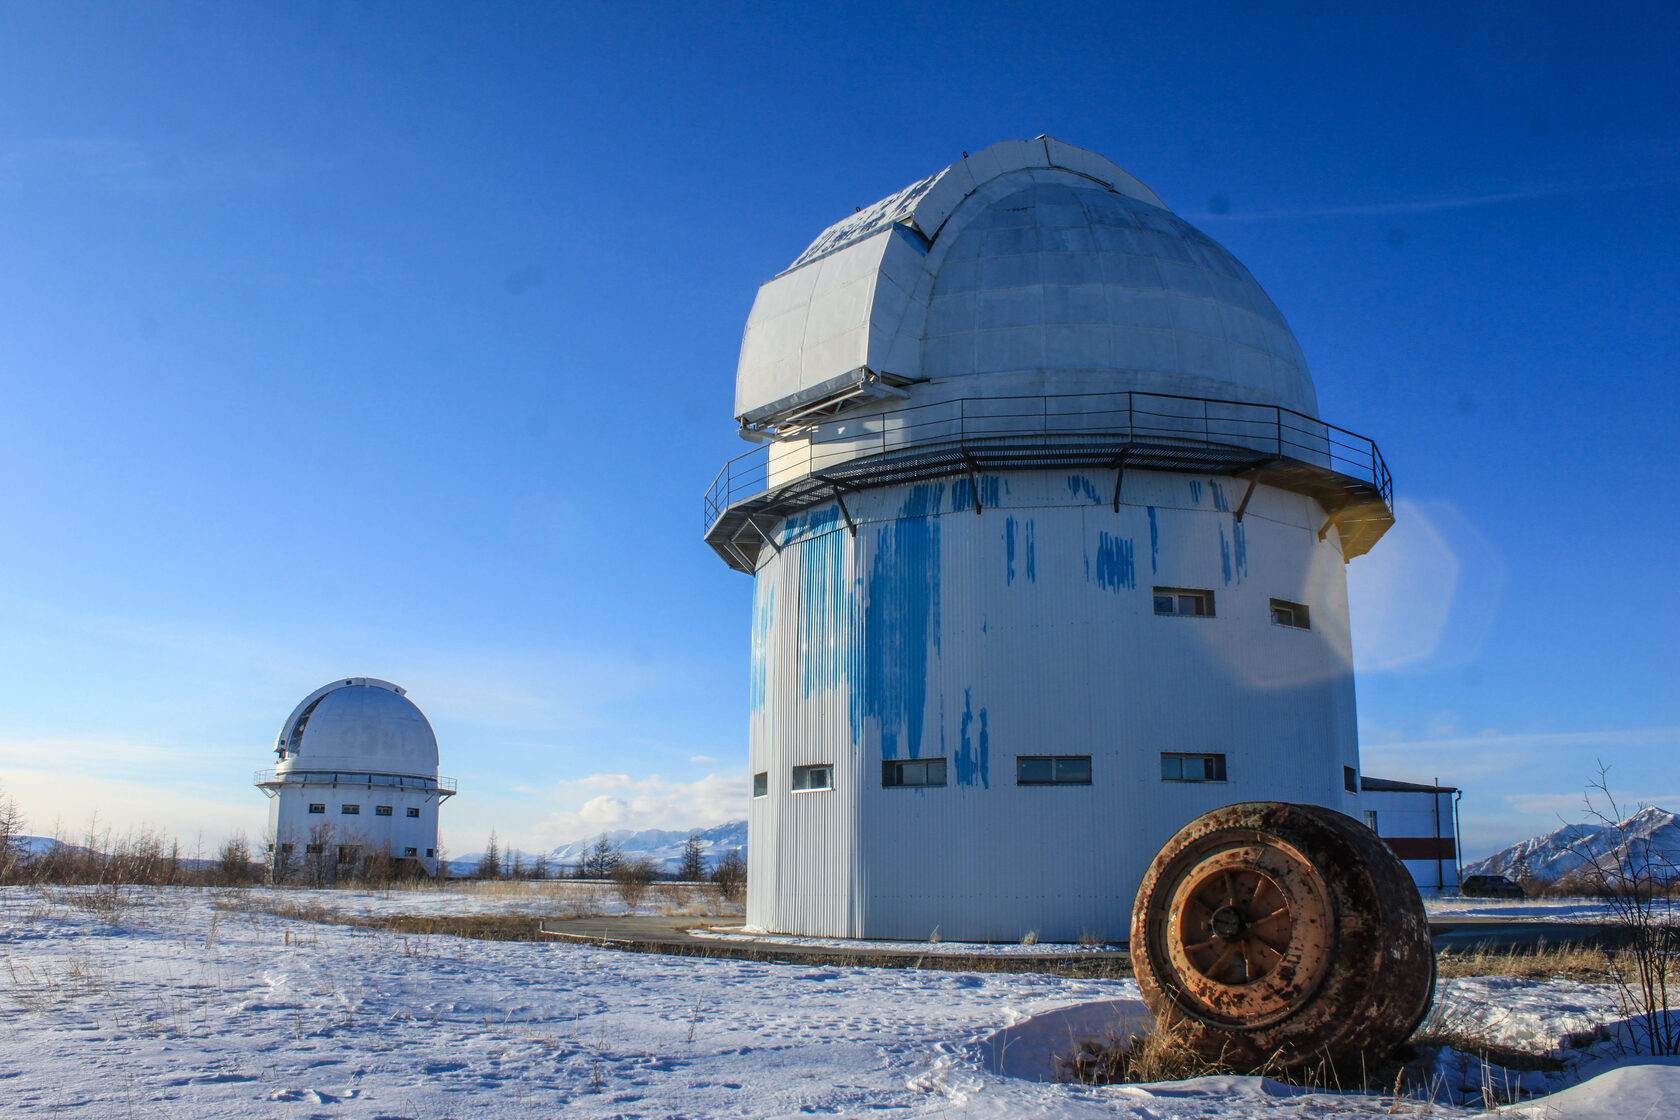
(360,725)
(1063,278)
(1034,265)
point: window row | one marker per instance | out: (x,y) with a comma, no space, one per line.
(348,852)
(1030,770)
(356,810)
(1196,602)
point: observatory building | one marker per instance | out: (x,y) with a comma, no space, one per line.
(1047,541)
(357,778)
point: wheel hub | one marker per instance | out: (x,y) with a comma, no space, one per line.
(1228,923)
(1248,933)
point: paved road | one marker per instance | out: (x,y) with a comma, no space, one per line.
(1503,933)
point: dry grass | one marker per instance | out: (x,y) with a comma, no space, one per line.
(1540,962)
(1158,1056)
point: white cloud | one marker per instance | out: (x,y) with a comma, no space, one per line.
(701,758)
(604,802)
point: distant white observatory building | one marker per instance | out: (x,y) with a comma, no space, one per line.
(1047,540)
(357,778)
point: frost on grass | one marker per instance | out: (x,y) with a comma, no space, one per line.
(195,1002)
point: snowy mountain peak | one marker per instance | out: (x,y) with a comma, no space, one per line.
(1647,843)
(664,847)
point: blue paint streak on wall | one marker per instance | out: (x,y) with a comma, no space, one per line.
(1219,502)
(962,493)
(1195,491)
(973,760)
(1239,549)
(1009,549)
(811,523)
(1114,563)
(1032,553)
(827,613)
(1225,556)
(764,618)
(1079,485)
(900,625)
(1154,543)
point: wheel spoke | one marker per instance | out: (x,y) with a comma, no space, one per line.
(1220,960)
(1200,945)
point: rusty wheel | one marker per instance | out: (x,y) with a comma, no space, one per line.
(1282,935)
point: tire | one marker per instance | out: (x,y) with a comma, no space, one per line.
(1273,936)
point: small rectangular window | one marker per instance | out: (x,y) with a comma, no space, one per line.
(761,783)
(312,849)
(317,807)
(1285,613)
(813,777)
(428,853)
(413,812)
(285,849)
(1053,770)
(347,853)
(1187,601)
(411,851)
(913,772)
(1350,779)
(350,810)
(1177,767)
(1371,819)
(381,810)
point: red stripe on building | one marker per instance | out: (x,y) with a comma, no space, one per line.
(1421,847)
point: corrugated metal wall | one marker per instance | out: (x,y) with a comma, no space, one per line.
(1029,628)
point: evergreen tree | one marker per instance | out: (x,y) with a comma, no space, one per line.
(601,861)
(490,863)
(692,869)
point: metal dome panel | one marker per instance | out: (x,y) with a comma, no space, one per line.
(358,724)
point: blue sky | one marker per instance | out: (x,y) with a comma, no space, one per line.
(399,340)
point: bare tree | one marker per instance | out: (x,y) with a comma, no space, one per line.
(233,861)
(1634,877)
(441,861)
(317,855)
(12,854)
(730,875)
(632,878)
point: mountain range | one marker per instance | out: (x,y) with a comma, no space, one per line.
(1647,843)
(664,847)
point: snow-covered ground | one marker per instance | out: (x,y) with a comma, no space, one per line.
(193,1003)
(547,898)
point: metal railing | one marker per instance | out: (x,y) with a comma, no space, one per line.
(1103,420)
(269,776)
